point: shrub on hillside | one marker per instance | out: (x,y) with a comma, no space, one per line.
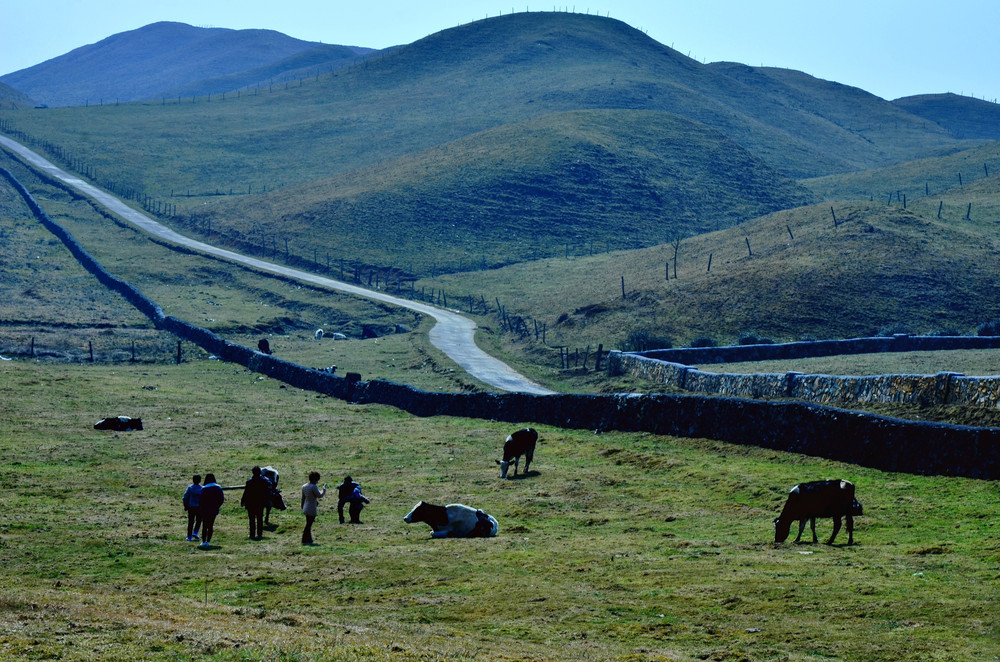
(642,341)
(942,333)
(747,338)
(989,328)
(704,341)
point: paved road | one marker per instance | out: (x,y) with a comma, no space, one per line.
(452,334)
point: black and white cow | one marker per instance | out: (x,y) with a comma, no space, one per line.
(517,444)
(119,423)
(453,521)
(820,498)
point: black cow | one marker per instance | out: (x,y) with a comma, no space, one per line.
(517,444)
(119,423)
(821,498)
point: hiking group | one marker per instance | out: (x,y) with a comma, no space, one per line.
(203,502)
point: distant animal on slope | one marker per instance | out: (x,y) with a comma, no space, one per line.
(517,444)
(821,498)
(263,346)
(119,423)
(319,334)
(453,521)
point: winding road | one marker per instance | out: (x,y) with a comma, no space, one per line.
(452,333)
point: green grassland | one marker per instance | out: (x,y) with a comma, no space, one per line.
(615,546)
(880,266)
(47,296)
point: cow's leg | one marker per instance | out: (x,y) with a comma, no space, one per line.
(267,514)
(442,533)
(802,527)
(850,529)
(527,461)
(812,525)
(517,461)
(836,529)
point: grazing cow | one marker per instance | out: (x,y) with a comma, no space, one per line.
(263,346)
(520,443)
(119,423)
(821,498)
(319,334)
(453,521)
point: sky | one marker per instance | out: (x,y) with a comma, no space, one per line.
(891,48)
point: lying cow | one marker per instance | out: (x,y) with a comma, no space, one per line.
(453,521)
(119,423)
(517,444)
(821,498)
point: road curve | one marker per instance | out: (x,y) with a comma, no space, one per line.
(452,333)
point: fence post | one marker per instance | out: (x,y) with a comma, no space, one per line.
(178,352)
(90,346)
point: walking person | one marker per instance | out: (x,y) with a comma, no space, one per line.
(212,499)
(255,495)
(349,493)
(192,506)
(311,494)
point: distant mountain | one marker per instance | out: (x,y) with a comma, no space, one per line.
(158,59)
(321,59)
(11,97)
(963,117)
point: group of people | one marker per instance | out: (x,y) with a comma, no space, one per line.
(203,502)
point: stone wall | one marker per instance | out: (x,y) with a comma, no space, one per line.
(946,388)
(798,427)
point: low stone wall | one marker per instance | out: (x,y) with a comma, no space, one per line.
(799,350)
(847,436)
(946,388)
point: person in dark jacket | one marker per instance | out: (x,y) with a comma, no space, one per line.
(212,499)
(255,496)
(192,505)
(349,492)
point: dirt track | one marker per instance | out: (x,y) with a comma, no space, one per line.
(453,333)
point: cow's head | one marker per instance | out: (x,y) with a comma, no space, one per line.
(781,529)
(504,465)
(416,514)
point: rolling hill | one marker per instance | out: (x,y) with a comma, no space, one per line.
(162,59)
(963,117)
(12,98)
(520,191)
(880,267)
(361,144)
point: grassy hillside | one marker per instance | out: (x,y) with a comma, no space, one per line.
(524,190)
(614,547)
(881,266)
(50,298)
(963,117)
(12,99)
(922,181)
(143,63)
(323,58)
(449,85)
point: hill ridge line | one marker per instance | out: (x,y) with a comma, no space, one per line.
(453,333)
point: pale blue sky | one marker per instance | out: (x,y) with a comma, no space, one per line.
(891,48)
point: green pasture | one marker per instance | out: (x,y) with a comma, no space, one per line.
(614,546)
